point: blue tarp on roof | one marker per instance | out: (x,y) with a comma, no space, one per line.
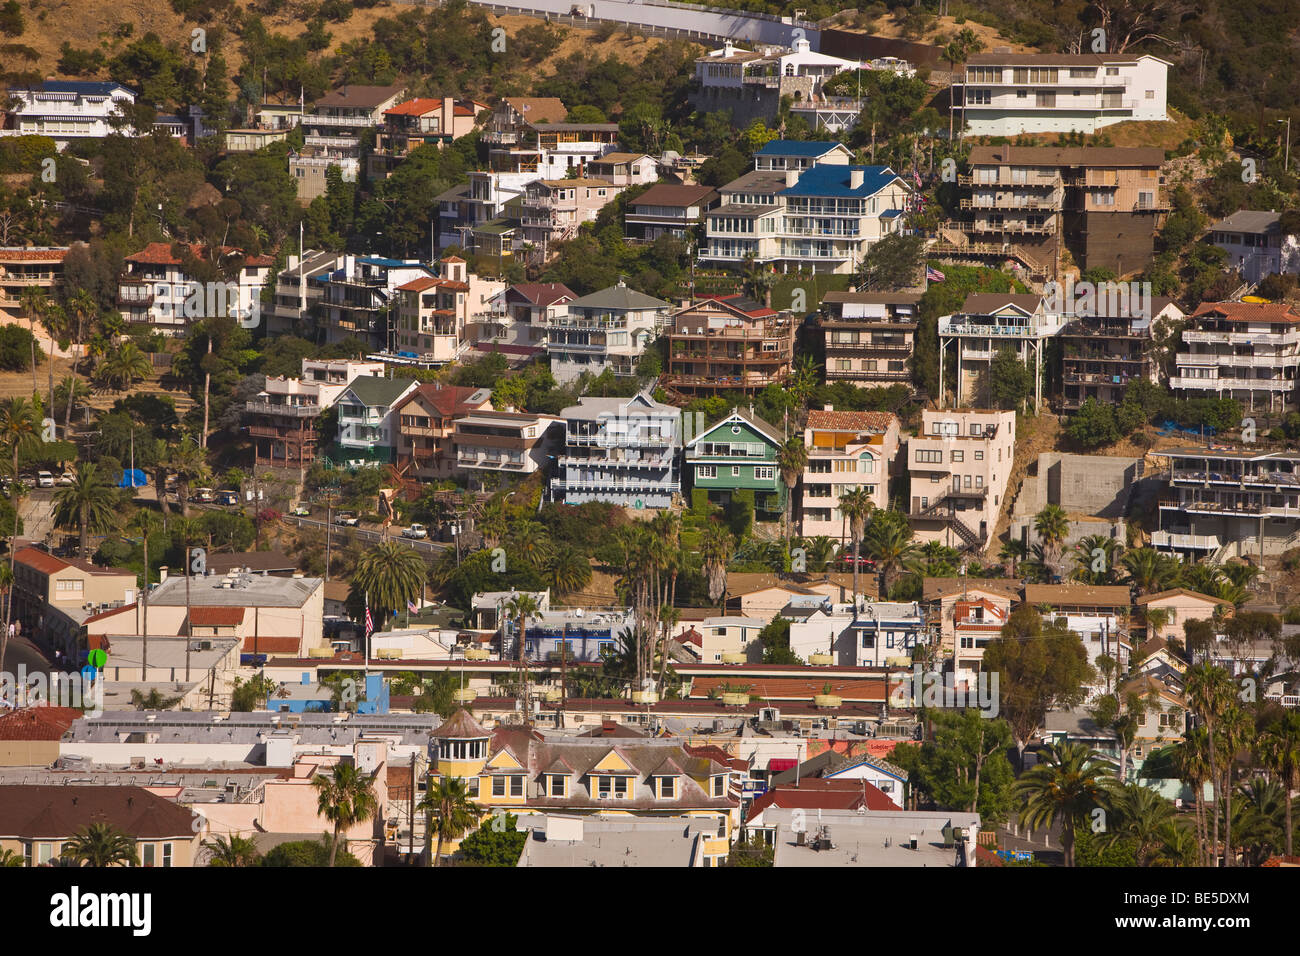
(834,181)
(796,147)
(132,478)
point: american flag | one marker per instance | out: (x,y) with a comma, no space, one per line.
(370,624)
(933,275)
(410,606)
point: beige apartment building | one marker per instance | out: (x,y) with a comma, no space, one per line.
(959,465)
(846,450)
(505,442)
(1104,204)
(869,337)
(53,597)
(1249,351)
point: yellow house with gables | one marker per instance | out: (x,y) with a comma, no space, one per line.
(517,768)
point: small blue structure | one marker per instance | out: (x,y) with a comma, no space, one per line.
(132,478)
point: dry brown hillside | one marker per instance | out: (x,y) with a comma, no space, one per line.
(94,23)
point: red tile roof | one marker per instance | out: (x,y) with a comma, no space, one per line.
(216,616)
(41,561)
(263,644)
(1249,311)
(422,105)
(447,400)
(816,793)
(851,421)
(111,612)
(160,254)
(418,285)
(718,755)
(37,723)
(33,255)
(452,259)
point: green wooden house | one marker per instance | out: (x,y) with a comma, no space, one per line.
(737,458)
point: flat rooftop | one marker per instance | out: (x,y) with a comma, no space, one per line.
(872,838)
(239,590)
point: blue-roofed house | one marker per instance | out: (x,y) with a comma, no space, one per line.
(805,206)
(67,109)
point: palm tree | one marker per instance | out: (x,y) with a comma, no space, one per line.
(84,307)
(448,812)
(530,542)
(1190,760)
(791,459)
(568,571)
(1279,751)
(1011,554)
(101,844)
(1150,571)
(123,366)
(17,433)
(8,858)
(35,303)
(388,576)
(803,382)
(1065,785)
(1178,846)
(889,543)
(523,607)
(856,505)
(716,548)
(1137,813)
(144,523)
(1210,694)
(345,798)
(1091,550)
(1052,526)
(89,504)
(186,461)
(235,851)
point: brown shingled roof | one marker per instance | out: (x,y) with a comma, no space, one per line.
(57,812)
(37,723)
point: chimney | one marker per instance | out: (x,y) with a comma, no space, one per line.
(856,177)
(791,177)
(162,574)
(448,123)
(828,408)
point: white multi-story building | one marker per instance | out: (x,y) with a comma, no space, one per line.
(959,465)
(68,109)
(1249,351)
(609,329)
(990,322)
(1008,94)
(879,633)
(620,450)
(804,207)
(157,290)
(1256,245)
(846,450)
(367,422)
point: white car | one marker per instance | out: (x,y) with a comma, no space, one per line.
(416,531)
(66,478)
(302,511)
(349,521)
(44,479)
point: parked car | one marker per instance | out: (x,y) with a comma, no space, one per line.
(228,498)
(416,531)
(347,520)
(65,479)
(301,510)
(44,479)
(204,495)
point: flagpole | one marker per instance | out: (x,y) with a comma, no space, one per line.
(366,642)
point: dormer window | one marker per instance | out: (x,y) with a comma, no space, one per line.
(612,788)
(719,785)
(667,788)
(557,785)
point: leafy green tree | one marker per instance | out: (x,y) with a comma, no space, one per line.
(496,842)
(774,638)
(964,765)
(251,694)
(308,853)
(752,852)
(893,263)
(1010,381)
(1093,425)
(1039,666)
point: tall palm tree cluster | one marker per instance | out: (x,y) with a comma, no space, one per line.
(1240,762)
(653,558)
